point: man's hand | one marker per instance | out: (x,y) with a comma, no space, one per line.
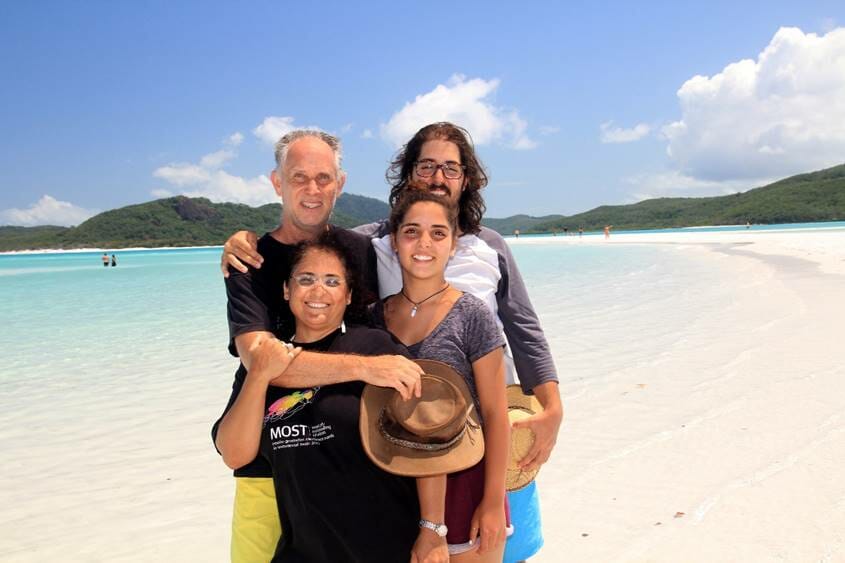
(239,248)
(397,372)
(545,425)
(271,358)
(429,548)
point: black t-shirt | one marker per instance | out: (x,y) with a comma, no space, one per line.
(256,303)
(334,503)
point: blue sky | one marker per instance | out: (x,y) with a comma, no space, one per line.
(572,105)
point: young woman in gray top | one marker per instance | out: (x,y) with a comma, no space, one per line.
(439,322)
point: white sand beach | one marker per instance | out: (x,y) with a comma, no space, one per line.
(727,443)
(701,425)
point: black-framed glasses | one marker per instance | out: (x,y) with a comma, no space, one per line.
(428,168)
(307,280)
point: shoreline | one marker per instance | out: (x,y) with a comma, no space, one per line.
(511,239)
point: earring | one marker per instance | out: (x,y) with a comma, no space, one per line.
(343,327)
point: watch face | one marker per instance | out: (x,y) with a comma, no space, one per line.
(441,530)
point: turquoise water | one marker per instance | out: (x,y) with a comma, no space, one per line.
(67,313)
(65,316)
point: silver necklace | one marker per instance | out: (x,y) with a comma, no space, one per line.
(416,304)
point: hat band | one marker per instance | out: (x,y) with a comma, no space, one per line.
(425,446)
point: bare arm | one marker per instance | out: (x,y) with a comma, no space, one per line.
(240,248)
(316,368)
(429,547)
(489,518)
(239,433)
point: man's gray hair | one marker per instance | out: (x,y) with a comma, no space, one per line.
(283,145)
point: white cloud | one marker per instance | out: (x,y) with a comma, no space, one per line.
(549,129)
(367,134)
(274,128)
(235,139)
(781,114)
(464,102)
(47,211)
(182,174)
(222,186)
(217,159)
(206,179)
(611,134)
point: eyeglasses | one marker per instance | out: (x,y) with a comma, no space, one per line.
(307,280)
(428,168)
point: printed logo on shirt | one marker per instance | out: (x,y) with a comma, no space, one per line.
(289,405)
(284,436)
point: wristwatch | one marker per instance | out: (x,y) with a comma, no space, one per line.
(439,529)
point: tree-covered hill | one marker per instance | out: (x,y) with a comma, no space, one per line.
(184,221)
(816,196)
(176,221)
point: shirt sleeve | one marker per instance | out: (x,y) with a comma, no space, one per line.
(482,334)
(246,306)
(372,230)
(531,353)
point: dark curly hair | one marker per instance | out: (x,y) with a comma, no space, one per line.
(356,311)
(471,205)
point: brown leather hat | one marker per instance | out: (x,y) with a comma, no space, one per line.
(435,434)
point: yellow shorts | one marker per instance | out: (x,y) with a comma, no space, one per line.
(255,521)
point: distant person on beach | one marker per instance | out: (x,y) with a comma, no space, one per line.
(565,231)
(607,231)
(441,156)
(516,233)
(334,504)
(105,259)
(113,261)
(580,232)
(308,177)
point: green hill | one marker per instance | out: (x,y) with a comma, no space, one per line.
(184,221)
(176,221)
(508,225)
(816,196)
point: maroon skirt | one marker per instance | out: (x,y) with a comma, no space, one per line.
(464,491)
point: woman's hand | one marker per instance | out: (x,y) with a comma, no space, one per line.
(429,548)
(488,524)
(270,359)
(239,248)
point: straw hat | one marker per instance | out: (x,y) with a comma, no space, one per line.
(520,407)
(435,434)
